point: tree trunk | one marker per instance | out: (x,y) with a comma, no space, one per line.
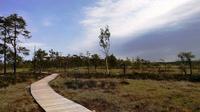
(199,68)
(88,65)
(190,64)
(15,54)
(34,65)
(15,59)
(124,69)
(107,69)
(184,70)
(5,55)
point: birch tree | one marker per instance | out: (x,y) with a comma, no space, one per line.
(105,44)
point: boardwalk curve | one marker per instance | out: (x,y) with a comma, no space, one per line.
(51,101)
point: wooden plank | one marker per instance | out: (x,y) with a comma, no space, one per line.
(51,101)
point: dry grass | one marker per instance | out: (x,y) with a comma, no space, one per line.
(17,98)
(133,96)
(172,70)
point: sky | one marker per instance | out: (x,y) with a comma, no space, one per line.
(150,29)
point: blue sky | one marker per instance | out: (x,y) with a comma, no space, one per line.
(151,29)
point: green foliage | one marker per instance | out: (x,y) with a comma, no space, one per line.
(40,57)
(95,60)
(112,61)
(105,39)
(13,28)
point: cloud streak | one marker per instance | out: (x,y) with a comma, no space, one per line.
(128,19)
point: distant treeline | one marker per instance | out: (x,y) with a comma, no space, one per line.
(43,60)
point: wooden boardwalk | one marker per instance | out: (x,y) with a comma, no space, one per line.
(51,101)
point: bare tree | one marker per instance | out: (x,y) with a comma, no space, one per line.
(105,44)
(186,58)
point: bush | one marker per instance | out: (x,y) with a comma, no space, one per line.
(143,76)
(92,84)
(8,79)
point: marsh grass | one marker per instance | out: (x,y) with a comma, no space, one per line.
(17,97)
(135,96)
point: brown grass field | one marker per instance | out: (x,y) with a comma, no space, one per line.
(17,97)
(118,95)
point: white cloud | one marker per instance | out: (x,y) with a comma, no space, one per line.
(31,45)
(130,18)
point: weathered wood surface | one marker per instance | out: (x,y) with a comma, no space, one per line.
(51,101)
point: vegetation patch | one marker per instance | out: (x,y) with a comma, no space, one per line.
(135,96)
(16,98)
(9,78)
(144,76)
(90,84)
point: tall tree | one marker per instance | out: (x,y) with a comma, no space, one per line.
(1,52)
(54,58)
(95,59)
(4,29)
(40,56)
(3,33)
(53,54)
(189,56)
(18,30)
(186,58)
(105,44)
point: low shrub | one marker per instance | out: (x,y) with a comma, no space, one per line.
(152,76)
(92,84)
(6,80)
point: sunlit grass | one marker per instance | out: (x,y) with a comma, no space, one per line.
(16,98)
(138,95)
